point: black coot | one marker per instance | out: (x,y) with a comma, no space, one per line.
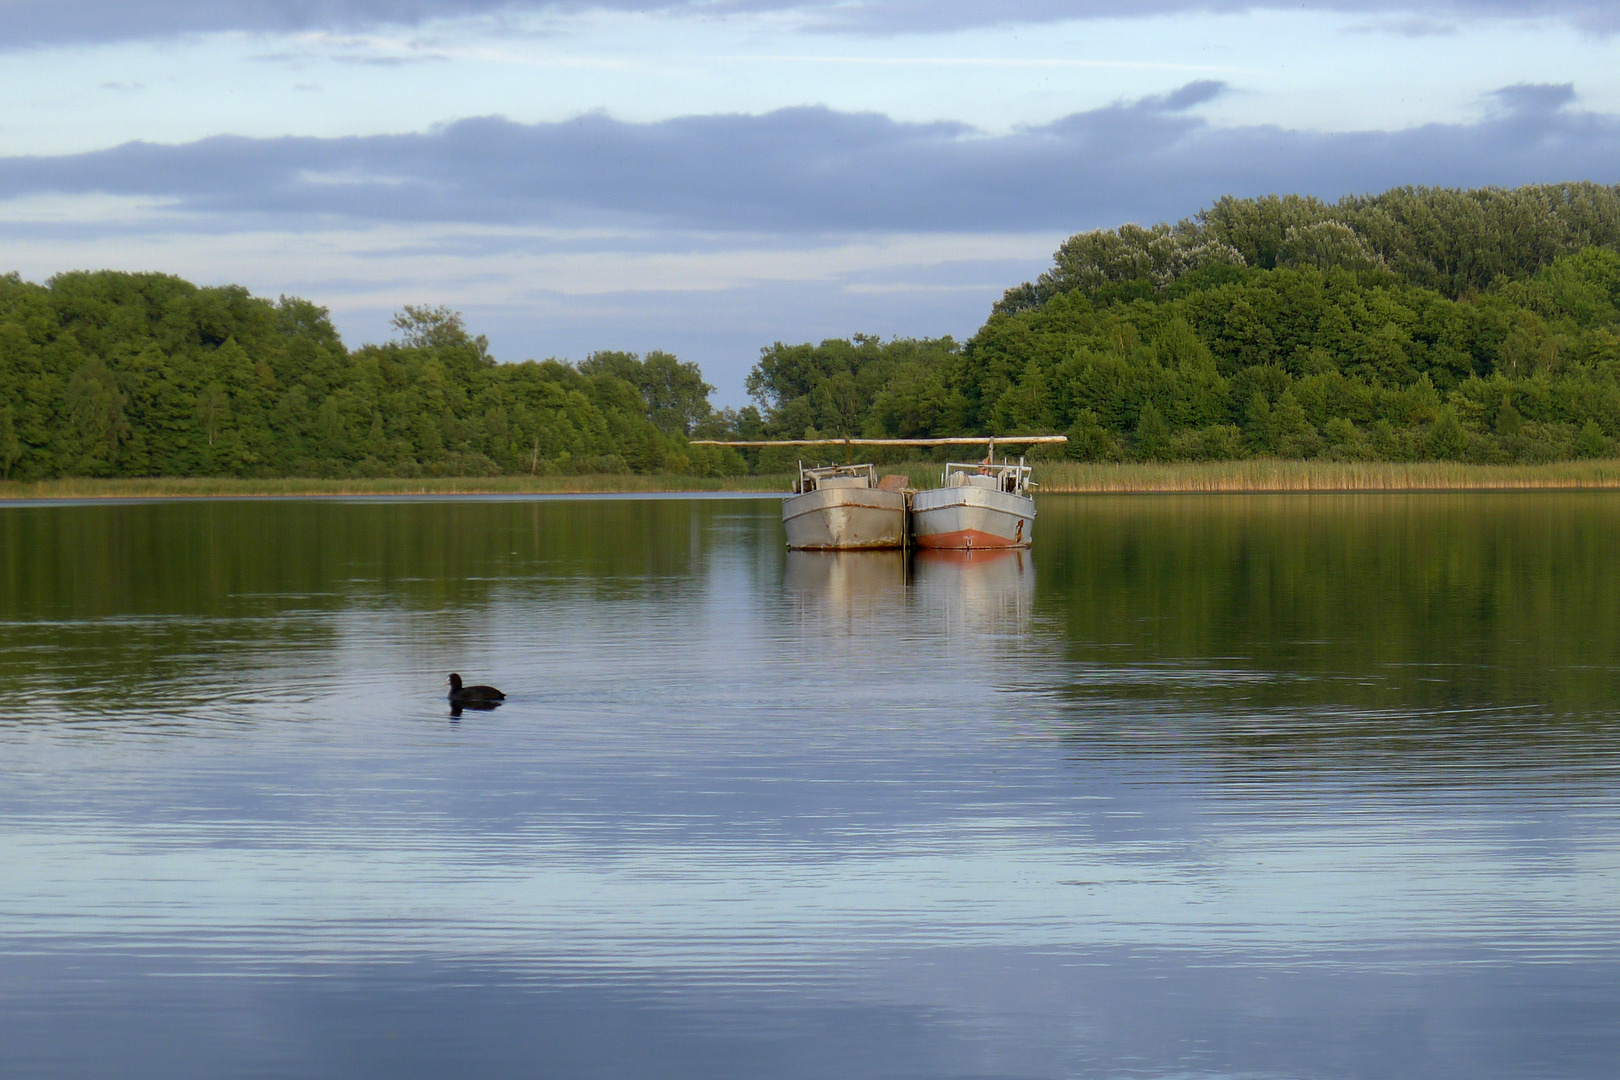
(473,696)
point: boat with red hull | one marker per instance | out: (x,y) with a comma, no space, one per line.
(980,505)
(983,505)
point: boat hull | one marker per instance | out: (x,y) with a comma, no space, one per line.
(971,518)
(844,519)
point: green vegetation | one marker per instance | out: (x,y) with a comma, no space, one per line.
(214,487)
(1417,325)
(1056,477)
(109,375)
(1274,474)
(1282,475)
(1374,623)
(1421,324)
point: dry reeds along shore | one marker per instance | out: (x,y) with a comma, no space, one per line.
(1271,474)
(1255,475)
(290,487)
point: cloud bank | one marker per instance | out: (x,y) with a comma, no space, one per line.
(713,234)
(33,22)
(815,171)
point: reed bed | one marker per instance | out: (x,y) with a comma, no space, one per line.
(1255,475)
(1277,475)
(231,487)
(1263,474)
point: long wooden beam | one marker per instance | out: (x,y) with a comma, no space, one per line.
(1020,440)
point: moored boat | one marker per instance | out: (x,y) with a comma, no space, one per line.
(841,507)
(980,505)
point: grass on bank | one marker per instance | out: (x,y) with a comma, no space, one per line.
(1254,475)
(1276,475)
(1271,474)
(220,487)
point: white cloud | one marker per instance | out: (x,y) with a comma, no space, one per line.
(713,235)
(31,22)
(818,172)
(714,298)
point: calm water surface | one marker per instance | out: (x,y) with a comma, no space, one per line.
(1238,786)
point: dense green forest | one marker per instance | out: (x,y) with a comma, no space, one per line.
(1420,323)
(112,374)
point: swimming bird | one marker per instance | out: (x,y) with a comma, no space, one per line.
(472,695)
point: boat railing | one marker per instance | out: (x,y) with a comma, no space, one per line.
(999,476)
(813,478)
(1016,481)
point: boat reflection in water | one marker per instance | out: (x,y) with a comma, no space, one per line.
(976,592)
(971,592)
(848,585)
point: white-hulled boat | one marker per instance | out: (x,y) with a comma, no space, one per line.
(980,505)
(840,507)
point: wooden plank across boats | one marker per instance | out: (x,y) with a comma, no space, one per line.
(978,505)
(954,440)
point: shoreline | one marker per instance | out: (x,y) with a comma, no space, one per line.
(1253,476)
(80,489)
(1275,476)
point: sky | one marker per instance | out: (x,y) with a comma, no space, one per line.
(712,176)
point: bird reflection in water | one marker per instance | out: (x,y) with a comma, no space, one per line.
(476,706)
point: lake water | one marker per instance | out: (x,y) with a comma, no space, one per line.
(1308,786)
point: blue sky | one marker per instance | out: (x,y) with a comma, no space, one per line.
(709,177)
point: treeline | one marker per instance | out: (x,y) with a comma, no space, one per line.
(113,374)
(1420,323)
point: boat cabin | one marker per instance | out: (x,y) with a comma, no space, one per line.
(1013,479)
(832,477)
